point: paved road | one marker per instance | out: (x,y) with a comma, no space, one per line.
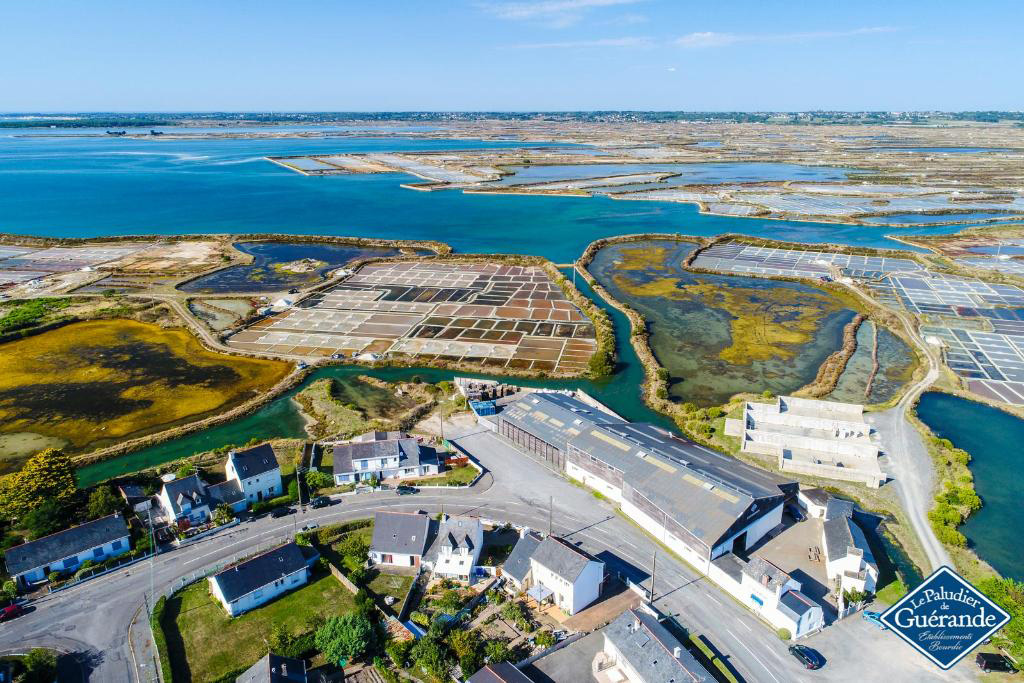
(92,619)
(910,464)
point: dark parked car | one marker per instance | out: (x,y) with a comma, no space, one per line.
(808,657)
(989,661)
(320,502)
(406,490)
(281,512)
(11,611)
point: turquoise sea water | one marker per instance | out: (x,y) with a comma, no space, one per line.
(79,186)
(993,438)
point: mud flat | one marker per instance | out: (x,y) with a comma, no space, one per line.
(91,384)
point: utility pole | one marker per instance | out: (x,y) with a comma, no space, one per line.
(152,556)
(551,505)
(654,573)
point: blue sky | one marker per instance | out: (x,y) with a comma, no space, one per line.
(297,55)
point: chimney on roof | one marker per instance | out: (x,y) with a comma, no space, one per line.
(677,652)
(765,580)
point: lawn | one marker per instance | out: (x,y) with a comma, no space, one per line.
(456,476)
(205,644)
(391,584)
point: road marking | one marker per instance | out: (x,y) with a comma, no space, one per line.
(756,658)
(745,626)
(713,597)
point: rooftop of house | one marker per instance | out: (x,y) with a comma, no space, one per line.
(842,532)
(225,493)
(562,558)
(651,651)
(254,461)
(455,532)
(401,533)
(517,565)
(190,489)
(765,573)
(245,577)
(406,449)
(275,669)
(55,547)
(500,672)
(795,604)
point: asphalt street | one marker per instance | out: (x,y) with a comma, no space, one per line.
(92,619)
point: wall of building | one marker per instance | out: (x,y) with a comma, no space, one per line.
(260,596)
(113,549)
(698,558)
(397,559)
(755,531)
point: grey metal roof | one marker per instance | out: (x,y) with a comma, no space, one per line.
(247,576)
(795,604)
(815,495)
(404,533)
(708,493)
(518,563)
(500,672)
(226,493)
(55,547)
(649,649)
(275,669)
(842,532)
(254,461)
(553,418)
(562,558)
(190,488)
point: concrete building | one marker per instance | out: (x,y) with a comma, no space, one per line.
(849,562)
(770,592)
(455,547)
(384,455)
(275,669)
(256,471)
(638,649)
(65,551)
(806,436)
(564,575)
(814,501)
(260,579)
(399,538)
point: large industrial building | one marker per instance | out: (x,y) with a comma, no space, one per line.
(700,503)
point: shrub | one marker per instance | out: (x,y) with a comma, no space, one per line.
(545,639)
(767,393)
(345,637)
(714,412)
(783,634)
(420,619)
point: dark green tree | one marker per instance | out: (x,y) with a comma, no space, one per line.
(346,637)
(102,502)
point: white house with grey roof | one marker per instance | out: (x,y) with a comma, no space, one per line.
(66,551)
(769,591)
(638,649)
(400,538)
(260,579)
(849,563)
(455,547)
(256,471)
(553,570)
(189,501)
(384,455)
(275,669)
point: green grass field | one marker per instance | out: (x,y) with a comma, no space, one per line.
(204,643)
(457,476)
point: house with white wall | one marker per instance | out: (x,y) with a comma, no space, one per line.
(400,538)
(849,562)
(455,547)
(637,648)
(66,551)
(766,589)
(384,455)
(189,501)
(257,472)
(517,566)
(260,579)
(564,575)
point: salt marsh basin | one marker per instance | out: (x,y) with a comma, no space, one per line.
(91,384)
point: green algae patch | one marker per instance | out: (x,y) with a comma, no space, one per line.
(91,384)
(719,335)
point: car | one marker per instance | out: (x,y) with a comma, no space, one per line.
(11,611)
(875,618)
(282,511)
(312,526)
(990,661)
(806,656)
(406,490)
(320,502)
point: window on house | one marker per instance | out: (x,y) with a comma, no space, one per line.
(116,545)
(97,552)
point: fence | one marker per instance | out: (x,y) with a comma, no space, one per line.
(209,532)
(342,579)
(97,571)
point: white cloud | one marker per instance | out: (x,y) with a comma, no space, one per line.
(556,13)
(707,39)
(631,41)
(671,68)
